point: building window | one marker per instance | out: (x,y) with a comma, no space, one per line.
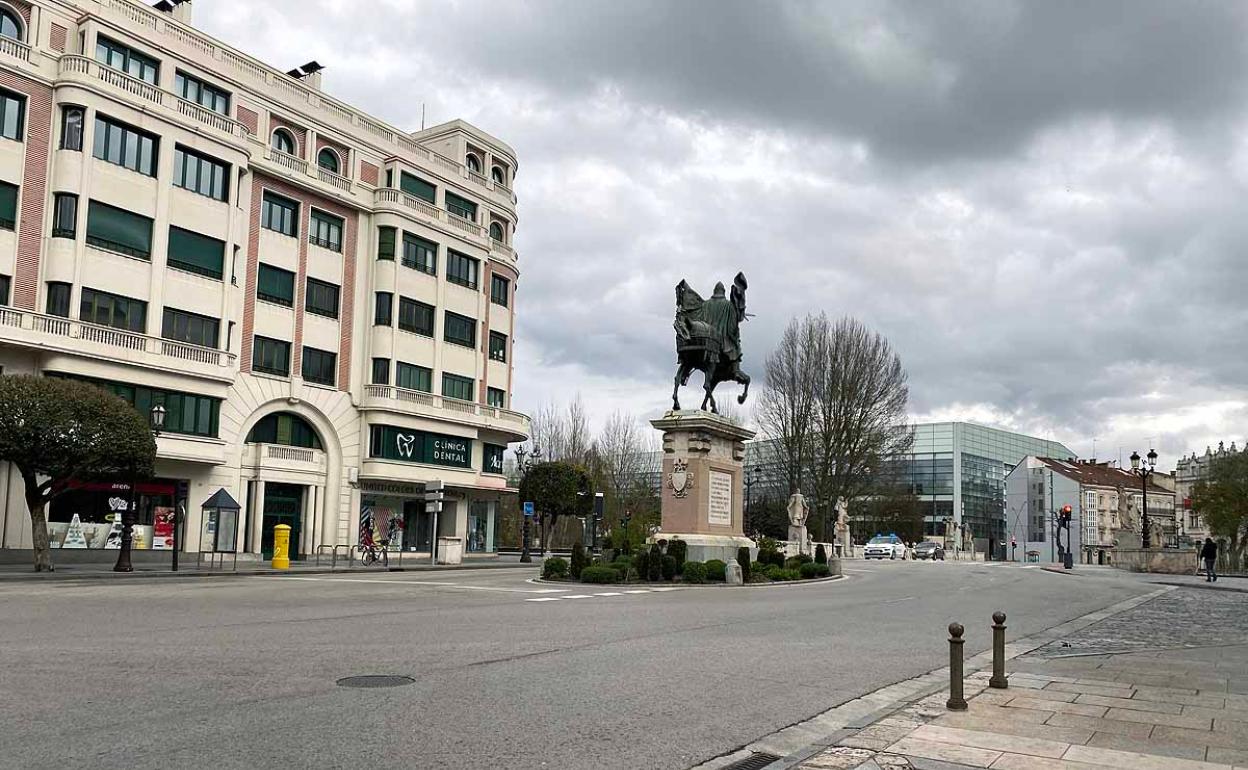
(415,186)
(496,231)
(496,397)
(498,347)
(455,386)
(72,119)
(10,26)
(283,141)
(322,298)
(473,163)
(185,413)
(5,282)
(64,215)
(286,429)
(461,207)
(12,115)
(460,330)
(461,269)
(124,58)
(118,230)
(420,254)
(275,285)
(500,288)
(280,214)
(271,356)
(200,173)
(381,371)
(195,90)
(196,253)
(328,160)
(190,327)
(325,230)
(499,176)
(8,206)
(125,146)
(385,243)
(383,310)
(415,317)
(414,377)
(58,299)
(100,307)
(320,366)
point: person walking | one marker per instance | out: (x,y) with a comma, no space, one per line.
(1209,552)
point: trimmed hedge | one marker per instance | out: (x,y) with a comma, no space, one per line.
(579,560)
(743,559)
(555,568)
(812,570)
(695,572)
(655,564)
(679,550)
(641,563)
(715,570)
(669,568)
(600,574)
(821,554)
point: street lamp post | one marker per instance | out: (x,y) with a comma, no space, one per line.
(156,419)
(524,461)
(1144,471)
(751,478)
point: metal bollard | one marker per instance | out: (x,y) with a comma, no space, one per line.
(998,679)
(956,702)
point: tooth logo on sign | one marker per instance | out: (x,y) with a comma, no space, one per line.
(406,444)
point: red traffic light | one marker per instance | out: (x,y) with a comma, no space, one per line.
(1066,509)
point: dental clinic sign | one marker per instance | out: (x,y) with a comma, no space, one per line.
(418,446)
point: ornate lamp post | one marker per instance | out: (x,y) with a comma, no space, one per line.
(524,461)
(156,419)
(1144,471)
(752,476)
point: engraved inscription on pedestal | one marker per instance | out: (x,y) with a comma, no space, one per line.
(720,502)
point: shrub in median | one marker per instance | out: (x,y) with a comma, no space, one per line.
(786,574)
(743,558)
(809,571)
(555,568)
(641,563)
(600,574)
(655,564)
(795,562)
(678,549)
(579,560)
(715,570)
(821,554)
(695,572)
(669,568)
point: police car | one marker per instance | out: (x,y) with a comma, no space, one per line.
(884,547)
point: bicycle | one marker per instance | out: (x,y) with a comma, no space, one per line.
(371,553)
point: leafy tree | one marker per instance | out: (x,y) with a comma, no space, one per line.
(553,488)
(1222,499)
(53,430)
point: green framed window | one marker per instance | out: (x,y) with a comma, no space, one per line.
(496,397)
(286,429)
(195,90)
(196,253)
(58,298)
(105,309)
(456,386)
(328,160)
(8,206)
(420,254)
(64,215)
(283,141)
(200,173)
(270,356)
(5,284)
(383,309)
(500,290)
(321,298)
(184,326)
(462,269)
(385,242)
(118,230)
(186,413)
(279,214)
(414,377)
(12,115)
(459,330)
(320,366)
(498,347)
(122,57)
(273,284)
(496,232)
(461,207)
(325,230)
(73,120)
(381,372)
(125,146)
(417,187)
(415,317)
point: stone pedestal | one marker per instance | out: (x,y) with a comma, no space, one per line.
(798,535)
(702,501)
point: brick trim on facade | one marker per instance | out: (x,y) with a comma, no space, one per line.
(300,134)
(250,119)
(34,187)
(368,173)
(57,37)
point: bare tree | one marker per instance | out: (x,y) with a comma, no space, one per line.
(785,409)
(562,432)
(621,450)
(577,448)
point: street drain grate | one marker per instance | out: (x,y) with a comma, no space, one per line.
(375,680)
(756,761)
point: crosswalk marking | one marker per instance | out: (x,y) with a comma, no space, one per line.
(658,590)
(609,593)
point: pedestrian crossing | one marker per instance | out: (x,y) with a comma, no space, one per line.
(603,594)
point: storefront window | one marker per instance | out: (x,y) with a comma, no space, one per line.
(88,514)
(481,527)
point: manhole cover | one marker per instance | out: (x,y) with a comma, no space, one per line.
(375,680)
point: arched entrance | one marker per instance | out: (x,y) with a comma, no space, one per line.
(286,452)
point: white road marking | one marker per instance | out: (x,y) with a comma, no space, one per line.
(545,599)
(667,588)
(575,596)
(643,591)
(422,583)
(610,593)
(902,599)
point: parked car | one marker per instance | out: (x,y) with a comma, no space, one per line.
(884,547)
(929,550)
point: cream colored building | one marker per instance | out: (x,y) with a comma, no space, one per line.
(323,303)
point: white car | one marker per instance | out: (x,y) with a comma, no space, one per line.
(884,547)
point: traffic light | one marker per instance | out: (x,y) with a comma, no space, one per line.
(1064,516)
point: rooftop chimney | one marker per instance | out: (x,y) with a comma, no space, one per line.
(178,9)
(312,74)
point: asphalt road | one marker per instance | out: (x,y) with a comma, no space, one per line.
(241,672)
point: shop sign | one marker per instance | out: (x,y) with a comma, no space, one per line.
(492,458)
(418,446)
(390,488)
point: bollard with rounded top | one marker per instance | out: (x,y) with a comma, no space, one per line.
(998,679)
(281,546)
(956,700)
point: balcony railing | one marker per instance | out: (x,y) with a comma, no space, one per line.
(334,180)
(520,421)
(14,48)
(425,209)
(500,247)
(71,64)
(292,162)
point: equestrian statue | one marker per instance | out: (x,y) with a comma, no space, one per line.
(708,339)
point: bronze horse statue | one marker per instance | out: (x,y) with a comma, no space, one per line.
(708,339)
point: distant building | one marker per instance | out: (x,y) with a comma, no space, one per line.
(1192,528)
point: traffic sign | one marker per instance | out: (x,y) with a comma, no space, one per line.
(528,508)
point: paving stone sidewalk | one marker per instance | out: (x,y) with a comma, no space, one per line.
(1183,706)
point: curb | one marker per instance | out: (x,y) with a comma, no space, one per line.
(1201,586)
(192,574)
(695,586)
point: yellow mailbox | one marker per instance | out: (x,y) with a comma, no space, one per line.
(281,546)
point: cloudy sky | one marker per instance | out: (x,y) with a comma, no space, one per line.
(1041,204)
